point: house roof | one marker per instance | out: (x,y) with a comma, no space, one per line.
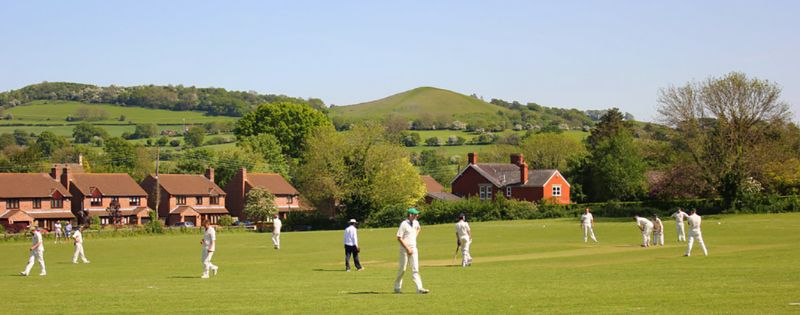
(445,196)
(109,184)
(29,185)
(60,214)
(431,185)
(274,183)
(183,209)
(504,174)
(210,210)
(11,213)
(189,184)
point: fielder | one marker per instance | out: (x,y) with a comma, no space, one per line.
(407,237)
(57,228)
(78,239)
(694,233)
(646,226)
(587,223)
(68,229)
(658,231)
(276,231)
(37,253)
(351,246)
(464,239)
(209,245)
(679,217)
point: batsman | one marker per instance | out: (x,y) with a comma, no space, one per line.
(464,239)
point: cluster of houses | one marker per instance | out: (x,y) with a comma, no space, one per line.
(68,193)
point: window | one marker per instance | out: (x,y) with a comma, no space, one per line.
(55,203)
(556,190)
(290,199)
(198,200)
(97,201)
(115,199)
(508,192)
(485,191)
(180,200)
(213,200)
(12,203)
(134,201)
(37,203)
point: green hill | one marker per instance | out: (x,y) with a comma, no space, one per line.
(419,102)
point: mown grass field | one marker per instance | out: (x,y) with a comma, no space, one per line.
(43,112)
(520,267)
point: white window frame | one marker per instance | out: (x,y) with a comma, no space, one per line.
(556,191)
(485,192)
(508,192)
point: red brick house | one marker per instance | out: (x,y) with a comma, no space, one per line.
(513,180)
(287,198)
(186,197)
(32,198)
(435,191)
(93,194)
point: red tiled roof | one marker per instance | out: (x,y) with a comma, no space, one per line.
(508,174)
(189,184)
(274,183)
(116,184)
(60,214)
(29,185)
(431,185)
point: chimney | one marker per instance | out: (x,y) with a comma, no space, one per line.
(517,159)
(210,173)
(523,172)
(80,159)
(472,158)
(65,177)
(244,174)
(54,173)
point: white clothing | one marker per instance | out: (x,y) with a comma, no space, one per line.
(463,232)
(408,233)
(679,217)
(276,232)
(588,232)
(209,239)
(695,234)
(78,237)
(658,232)
(206,260)
(587,218)
(36,254)
(36,238)
(405,258)
(351,236)
(57,228)
(647,228)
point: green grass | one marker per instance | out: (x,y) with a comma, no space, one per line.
(66,131)
(411,104)
(520,267)
(55,112)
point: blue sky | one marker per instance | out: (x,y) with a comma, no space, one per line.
(581,54)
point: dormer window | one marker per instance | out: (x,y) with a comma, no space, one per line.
(37,203)
(55,203)
(290,199)
(180,200)
(96,201)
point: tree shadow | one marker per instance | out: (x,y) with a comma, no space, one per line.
(369,293)
(183,277)
(328,270)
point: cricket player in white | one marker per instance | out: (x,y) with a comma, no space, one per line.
(694,221)
(646,226)
(276,232)
(57,229)
(37,253)
(407,237)
(587,223)
(464,239)
(658,231)
(78,239)
(209,245)
(679,217)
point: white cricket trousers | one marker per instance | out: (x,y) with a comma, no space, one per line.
(404,260)
(465,256)
(588,232)
(206,260)
(646,235)
(696,235)
(79,252)
(276,240)
(658,238)
(681,232)
(37,255)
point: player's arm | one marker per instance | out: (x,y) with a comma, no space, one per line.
(403,243)
(38,243)
(210,246)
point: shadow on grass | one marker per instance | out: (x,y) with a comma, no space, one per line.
(442,266)
(326,270)
(183,277)
(369,292)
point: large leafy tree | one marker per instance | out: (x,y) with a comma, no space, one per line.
(551,150)
(268,148)
(194,136)
(85,133)
(289,122)
(259,205)
(723,125)
(362,169)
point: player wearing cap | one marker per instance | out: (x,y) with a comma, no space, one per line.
(464,239)
(37,252)
(587,223)
(646,226)
(694,221)
(77,237)
(407,237)
(679,217)
(209,242)
(276,231)
(351,245)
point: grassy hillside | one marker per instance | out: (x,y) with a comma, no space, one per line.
(414,103)
(519,267)
(55,112)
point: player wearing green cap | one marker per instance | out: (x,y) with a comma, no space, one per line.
(407,237)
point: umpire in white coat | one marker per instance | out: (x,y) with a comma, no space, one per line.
(351,246)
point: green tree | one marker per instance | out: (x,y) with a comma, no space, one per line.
(436,165)
(194,161)
(259,205)
(551,150)
(48,142)
(85,133)
(194,136)
(267,146)
(144,131)
(616,169)
(162,141)
(290,123)
(230,161)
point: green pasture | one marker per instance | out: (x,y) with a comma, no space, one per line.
(44,112)
(520,267)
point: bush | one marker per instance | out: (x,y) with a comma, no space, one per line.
(2,229)
(313,219)
(175,143)
(94,223)
(388,216)
(225,220)
(155,226)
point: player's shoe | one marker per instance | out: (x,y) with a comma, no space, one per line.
(215,270)
(423,291)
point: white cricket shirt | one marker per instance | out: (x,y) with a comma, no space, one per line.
(276,225)
(78,237)
(642,222)
(209,239)
(37,238)
(408,232)
(679,216)
(462,229)
(587,218)
(351,236)
(694,222)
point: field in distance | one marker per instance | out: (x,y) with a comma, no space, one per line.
(520,267)
(56,112)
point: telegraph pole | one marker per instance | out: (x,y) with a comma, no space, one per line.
(158,184)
